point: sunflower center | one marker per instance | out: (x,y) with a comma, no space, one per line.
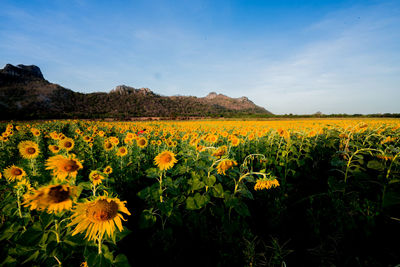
(31,150)
(142,142)
(17,172)
(103,210)
(166,158)
(71,166)
(68,144)
(58,194)
(108,145)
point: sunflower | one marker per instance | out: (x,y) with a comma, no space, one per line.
(108,170)
(14,172)
(54,148)
(122,151)
(96,177)
(54,135)
(35,132)
(108,146)
(24,184)
(67,144)
(265,184)
(28,149)
(165,160)
(98,217)
(224,165)
(235,141)
(220,151)
(141,142)
(63,167)
(53,198)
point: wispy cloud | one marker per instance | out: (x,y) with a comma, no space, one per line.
(346,68)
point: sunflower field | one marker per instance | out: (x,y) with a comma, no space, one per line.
(308,192)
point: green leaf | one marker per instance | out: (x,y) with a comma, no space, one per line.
(375,165)
(147,219)
(196,202)
(31,237)
(98,260)
(46,219)
(85,185)
(242,209)
(9,261)
(218,191)
(196,184)
(121,235)
(32,257)
(210,181)
(152,173)
(245,192)
(121,261)
(166,207)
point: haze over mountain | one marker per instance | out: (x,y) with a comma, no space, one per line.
(26,94)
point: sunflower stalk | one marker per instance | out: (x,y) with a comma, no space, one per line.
(161,189)
(19,204)
(94,188)
(32,165)
(99,242)
(56,231)
(58,261)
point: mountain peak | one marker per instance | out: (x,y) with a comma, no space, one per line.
(22,71)
(211,95)
(127,90)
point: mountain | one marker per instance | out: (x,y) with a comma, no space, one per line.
(25,94)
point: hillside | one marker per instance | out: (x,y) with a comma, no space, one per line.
(25,94)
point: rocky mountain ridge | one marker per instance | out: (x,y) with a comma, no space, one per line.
(25,94)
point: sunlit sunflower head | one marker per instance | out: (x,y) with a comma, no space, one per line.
(98,217)
(24,185)
(265,184)
(67,143)
(108,170)
(13,173)
(108,146)
(235,141)
(53,198)
(28,149)
(141,142)
(122,151)
(114,140)
(224,165)
(63,167)
(35,132)
(54,135)
(129,135)
(54,148)
(220,151)
(165,160)
(96,177)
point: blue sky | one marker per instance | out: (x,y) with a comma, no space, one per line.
(288,56)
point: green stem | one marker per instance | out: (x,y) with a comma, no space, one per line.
(99,240)
(56,231)
(59,262)
(19,204)
(160,180)
(390,167)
